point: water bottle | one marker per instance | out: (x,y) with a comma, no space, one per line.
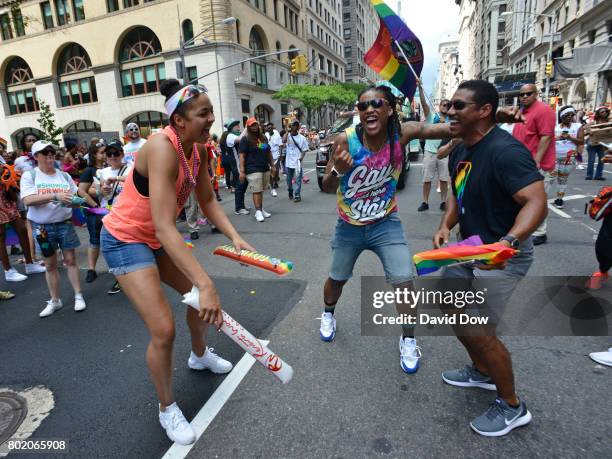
(43,242)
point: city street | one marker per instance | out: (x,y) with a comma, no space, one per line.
(348,398)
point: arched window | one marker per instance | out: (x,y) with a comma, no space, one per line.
(262,113)
(76,89)
(148,122)
(21,91)
(18,136)
(259,75)
(292,54)
(187,31)
(141,44)
(83,126)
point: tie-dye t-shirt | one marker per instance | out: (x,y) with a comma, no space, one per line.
(367,192)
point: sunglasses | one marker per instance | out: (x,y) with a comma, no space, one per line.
(133,130)
(525,94)
(46,153)
(445,104)
(460,105)
(113,154)
(374,103)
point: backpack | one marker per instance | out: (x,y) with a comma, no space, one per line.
(601,205)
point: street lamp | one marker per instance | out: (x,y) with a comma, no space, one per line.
(553,27)
(227,21)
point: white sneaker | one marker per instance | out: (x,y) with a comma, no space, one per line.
(259,216)
(266,214)
(34,268)
(12,275)
(410,354)
(209,361)
(328,326)
(580,167)
(79,302)
(273,192)
(177,427)
(603,358)
(52,306)
(242,211)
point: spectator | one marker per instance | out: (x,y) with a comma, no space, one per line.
(135,143)
(275,141)
(594,149)
(232,143)
(255,165)
(537,134)
(296,147)
(49,194)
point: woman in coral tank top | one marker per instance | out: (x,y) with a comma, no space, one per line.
(143,248)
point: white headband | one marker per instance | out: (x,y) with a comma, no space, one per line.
(567,111)
(182,96)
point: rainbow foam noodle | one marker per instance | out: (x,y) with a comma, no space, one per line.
(276,265)
(487,254)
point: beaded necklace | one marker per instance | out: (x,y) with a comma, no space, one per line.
(189,172)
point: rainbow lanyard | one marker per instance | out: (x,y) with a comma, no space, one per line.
(463,173)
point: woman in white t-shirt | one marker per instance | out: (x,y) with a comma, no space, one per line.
(569,142)
(48,193)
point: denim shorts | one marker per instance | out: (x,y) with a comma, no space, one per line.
(60,235)
(94,226)
(126,257)
(385,238)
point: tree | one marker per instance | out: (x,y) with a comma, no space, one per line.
(46,120)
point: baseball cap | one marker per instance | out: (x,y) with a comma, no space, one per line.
(294,122)
(231,123)
(101,143)
(115,144)
(40,145)
(251,121)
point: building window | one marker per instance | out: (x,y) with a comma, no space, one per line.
(591,36)
(47,14)
(130,3)
(259,4)
(347,34)
(187,31)
(275,9)
(284,109)
(148,122)
(278,48)
(259,75)
(79,10)
(502,8)
(21,98)
(262,114)
(83,126)
(255,42)
(18,23)
(112,5)
(62,9)
(349,67)
(336,70)
(5,25)
(246,105)
(77,92)
(348,50)
(238,31)
(141,43)
(501,27)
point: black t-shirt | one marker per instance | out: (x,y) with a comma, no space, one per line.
(87,176)
(256,156)
(484,177)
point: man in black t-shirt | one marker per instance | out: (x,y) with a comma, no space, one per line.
(498,194)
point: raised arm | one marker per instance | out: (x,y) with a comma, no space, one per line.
(341,156)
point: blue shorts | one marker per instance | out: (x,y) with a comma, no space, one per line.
(60,235)
(126,257)
(94,226)
(385,238)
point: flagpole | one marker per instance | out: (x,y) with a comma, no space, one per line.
(415,76)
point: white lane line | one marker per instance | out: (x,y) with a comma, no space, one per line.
(213,405)
(566,198)
(607,172)
(558,212)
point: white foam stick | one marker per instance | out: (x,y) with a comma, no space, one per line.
(243,338)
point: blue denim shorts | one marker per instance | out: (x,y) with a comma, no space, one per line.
(385,238)
(60,235)
(126,257)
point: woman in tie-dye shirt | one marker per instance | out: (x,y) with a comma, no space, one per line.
(363,173)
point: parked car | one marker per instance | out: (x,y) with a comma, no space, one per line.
(344,121)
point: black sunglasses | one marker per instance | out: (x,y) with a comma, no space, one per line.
(46,152)
(374,103)
(460,105)
(133,130)
(445,104)
(113,153)
(525,94)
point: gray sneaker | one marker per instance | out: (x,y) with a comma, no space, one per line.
(468,377)
(500,419)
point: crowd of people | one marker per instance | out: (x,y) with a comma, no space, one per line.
(494,183)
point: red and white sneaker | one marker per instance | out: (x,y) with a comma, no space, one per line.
(596,280)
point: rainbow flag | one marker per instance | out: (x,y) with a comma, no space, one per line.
(385,58)
(486,254)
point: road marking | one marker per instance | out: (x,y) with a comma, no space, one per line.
(213,405)
(566,198)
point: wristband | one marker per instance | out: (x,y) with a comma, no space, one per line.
(334,172)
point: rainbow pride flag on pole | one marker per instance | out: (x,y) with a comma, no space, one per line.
(385,56)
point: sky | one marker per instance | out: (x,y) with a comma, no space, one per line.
(434,22)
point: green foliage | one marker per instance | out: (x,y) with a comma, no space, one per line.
(46,120)
(314,97)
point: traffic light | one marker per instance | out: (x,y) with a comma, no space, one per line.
(549,68)
(299,64)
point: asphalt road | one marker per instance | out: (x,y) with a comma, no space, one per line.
(348,398)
